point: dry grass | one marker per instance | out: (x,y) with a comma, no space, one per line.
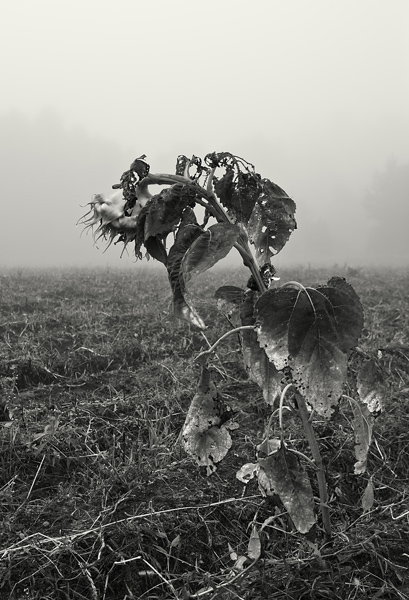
(97,499)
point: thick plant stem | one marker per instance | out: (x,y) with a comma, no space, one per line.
(322,484)
(249,262)
(167,179)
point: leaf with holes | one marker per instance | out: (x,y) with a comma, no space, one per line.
(273,312)
(260,369)
(239,187)
(311,331)
(205,434)
(264,208)
(362,424)
(281,473)
(272,221)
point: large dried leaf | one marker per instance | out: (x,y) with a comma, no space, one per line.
(348,311)
(321,376)
(166,208)
(273,312)
(162,214)
(281,473)
(205,434)
(311,331)
(210,247)
(362,424)
(272,221)
(239,189)
(181,308)
(260,205)
(260,369)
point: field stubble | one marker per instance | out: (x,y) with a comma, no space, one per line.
(97,499)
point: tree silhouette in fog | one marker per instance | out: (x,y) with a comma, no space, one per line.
(387,202)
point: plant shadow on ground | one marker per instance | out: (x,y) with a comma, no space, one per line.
(97,498)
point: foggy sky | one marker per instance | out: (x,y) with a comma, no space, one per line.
(315,94)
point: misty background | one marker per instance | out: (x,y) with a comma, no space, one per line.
(314,94)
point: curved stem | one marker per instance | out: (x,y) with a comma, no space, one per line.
(301,288)
(280,409)
(166,178)
(315,451)
(236,330)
